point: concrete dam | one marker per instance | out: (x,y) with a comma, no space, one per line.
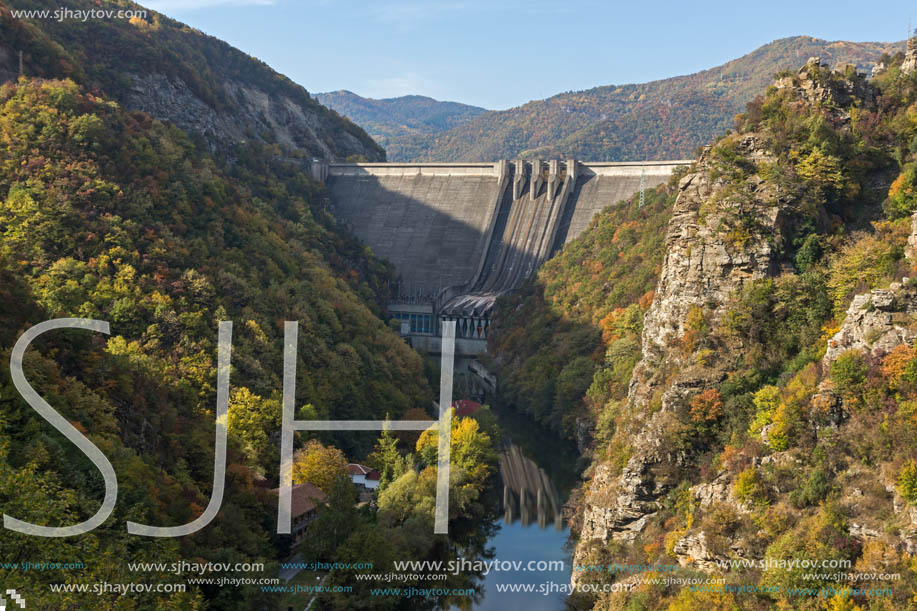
(462,234)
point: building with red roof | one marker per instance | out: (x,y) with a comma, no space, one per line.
(363,476)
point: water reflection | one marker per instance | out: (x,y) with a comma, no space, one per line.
(528,493)
(537,472)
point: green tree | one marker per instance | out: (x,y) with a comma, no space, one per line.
(907,481)
(252,420)
(471,449)
(387,459)
(336,520)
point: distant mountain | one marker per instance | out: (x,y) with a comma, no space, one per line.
(402,125)
(177,73)
(661,119)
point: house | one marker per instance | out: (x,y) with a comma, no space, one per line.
(305,500)
(372,479)
(363,476)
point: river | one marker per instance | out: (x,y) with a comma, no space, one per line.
(537,472)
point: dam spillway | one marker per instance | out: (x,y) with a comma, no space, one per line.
(462,234)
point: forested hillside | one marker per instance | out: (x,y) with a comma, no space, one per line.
(112,215)
(757,405)
(666,119)
(395,123)
(587,301)
(174,72)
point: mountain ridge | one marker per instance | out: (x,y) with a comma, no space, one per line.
(661,119)
(396,122)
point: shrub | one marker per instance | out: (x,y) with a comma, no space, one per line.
(766,401)
(848,373)
(902,195)
(789,415)
(907,481)
(809,253)
(899,368)
(748,487)
(707,406)
(866,262)
(815,488)
(696,329)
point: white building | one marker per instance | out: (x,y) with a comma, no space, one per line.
(363,476)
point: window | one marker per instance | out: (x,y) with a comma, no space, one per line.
(419,323)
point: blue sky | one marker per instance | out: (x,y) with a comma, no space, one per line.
(504,53)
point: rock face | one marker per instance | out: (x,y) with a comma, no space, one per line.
(701,268)
(878,321)
(910,57)
(704,266)
(726,231)
(693,549)
(821,91)
(252,114)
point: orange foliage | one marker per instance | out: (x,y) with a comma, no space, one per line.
(609,325)
(895,362)
(706,406)
(78,426)
(899,187)
(646,299)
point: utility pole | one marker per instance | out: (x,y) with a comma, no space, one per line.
(21,72)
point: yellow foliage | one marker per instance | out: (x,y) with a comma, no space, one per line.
(319,465)
(709,601)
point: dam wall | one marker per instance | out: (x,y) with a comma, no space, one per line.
(429,220)
(462,234)
(601,184)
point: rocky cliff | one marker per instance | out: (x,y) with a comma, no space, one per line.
(910,57)
(250,113)
(735,239)
(709,256)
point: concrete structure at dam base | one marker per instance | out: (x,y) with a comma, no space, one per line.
(462,234)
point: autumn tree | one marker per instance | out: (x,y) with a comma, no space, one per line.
(318,464)
(471,449)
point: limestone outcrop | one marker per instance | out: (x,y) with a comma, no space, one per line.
(830,93)
(727,230)
(910,57)
(878,321)
(704,266)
